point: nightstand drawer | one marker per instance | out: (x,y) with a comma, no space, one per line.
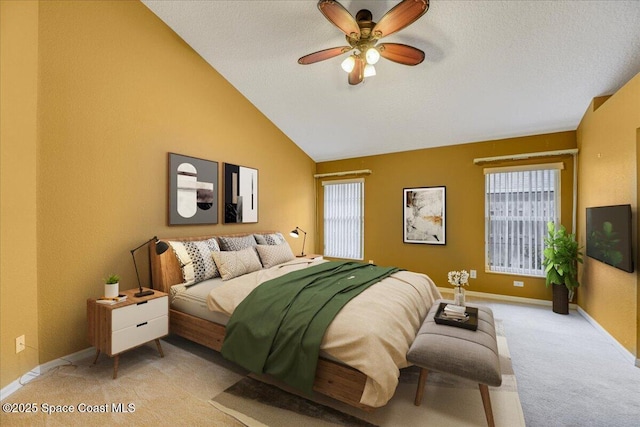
(141,333)
(134,314)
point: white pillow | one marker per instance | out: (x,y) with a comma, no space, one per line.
(271,255)
(236,263)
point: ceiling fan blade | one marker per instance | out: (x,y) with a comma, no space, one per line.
(323,54)
(401,53)
(404,13)
(340,17)
(357,74)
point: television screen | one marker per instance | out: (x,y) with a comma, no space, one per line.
(609,235)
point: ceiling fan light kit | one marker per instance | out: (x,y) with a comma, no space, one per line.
(363,34)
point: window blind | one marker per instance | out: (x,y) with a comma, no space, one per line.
(519,202)
(344,219)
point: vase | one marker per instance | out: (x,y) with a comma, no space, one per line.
(458,296)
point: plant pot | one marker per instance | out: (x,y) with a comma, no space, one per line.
(560,299)
(111,290)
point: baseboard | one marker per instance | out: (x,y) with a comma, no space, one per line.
(625,353)
(41,369)
(509,298)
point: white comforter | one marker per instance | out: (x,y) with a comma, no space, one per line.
(372,333)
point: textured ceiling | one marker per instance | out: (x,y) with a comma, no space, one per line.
(493,69)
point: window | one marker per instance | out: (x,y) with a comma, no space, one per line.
(344,219)
(519,201)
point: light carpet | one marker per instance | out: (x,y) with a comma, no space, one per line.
(155,391)
(448,400)
(193,385)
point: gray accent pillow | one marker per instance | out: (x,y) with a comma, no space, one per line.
(236,243)
(269,239)
(271,255)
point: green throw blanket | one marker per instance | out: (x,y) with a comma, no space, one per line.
(277,329)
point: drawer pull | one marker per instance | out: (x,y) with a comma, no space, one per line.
(141,324)
(143,302)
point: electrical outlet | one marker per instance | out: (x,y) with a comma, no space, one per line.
(472,274)
(518,283)
(20,344)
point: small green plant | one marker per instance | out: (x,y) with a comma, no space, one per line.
(110,280)
(561,257)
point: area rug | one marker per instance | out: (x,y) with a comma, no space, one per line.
(451,401)
(149,391)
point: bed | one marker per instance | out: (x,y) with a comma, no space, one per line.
(363,348)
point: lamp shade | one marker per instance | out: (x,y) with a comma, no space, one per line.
(372,55)
(369,70)
(348,64)
(161,246)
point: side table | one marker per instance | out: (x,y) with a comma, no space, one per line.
(114,329)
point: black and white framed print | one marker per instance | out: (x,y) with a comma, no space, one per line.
(240,194)
(193,190)
(424,215)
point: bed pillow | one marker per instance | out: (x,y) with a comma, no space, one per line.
(271,255)
(269,239)
(236,243)
(196,260)
(236,263)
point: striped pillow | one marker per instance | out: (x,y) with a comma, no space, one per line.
(196,260)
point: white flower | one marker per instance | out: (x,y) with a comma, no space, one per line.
(458,278)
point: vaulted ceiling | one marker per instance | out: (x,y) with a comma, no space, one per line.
(492,69)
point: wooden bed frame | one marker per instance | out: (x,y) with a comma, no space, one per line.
(333,379)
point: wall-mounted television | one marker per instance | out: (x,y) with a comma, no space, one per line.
(609,235)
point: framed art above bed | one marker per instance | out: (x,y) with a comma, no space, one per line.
(240,194)
(193,190)
(424,219)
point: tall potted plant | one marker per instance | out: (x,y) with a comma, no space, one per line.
(561,257)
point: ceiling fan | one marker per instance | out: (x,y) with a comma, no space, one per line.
(363,34)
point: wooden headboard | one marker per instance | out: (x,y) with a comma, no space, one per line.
(165,268)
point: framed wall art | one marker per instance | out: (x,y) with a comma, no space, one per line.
(240,194)
(424,215)
(193,190)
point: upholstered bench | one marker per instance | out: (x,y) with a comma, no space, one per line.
(452,350)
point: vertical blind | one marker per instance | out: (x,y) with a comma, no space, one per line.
(344,218)
(519,202)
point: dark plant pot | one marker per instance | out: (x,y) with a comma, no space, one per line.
(560,299)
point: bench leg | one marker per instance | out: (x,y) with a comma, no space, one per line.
(486,402)
(420,390)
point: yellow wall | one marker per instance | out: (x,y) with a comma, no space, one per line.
(18,137)
(118,90)
(453,168)
(608,140)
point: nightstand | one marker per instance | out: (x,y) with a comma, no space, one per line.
(114,329)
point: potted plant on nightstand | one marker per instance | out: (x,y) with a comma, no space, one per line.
(111,286)
(561,257)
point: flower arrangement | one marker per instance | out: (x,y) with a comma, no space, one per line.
(458,278)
